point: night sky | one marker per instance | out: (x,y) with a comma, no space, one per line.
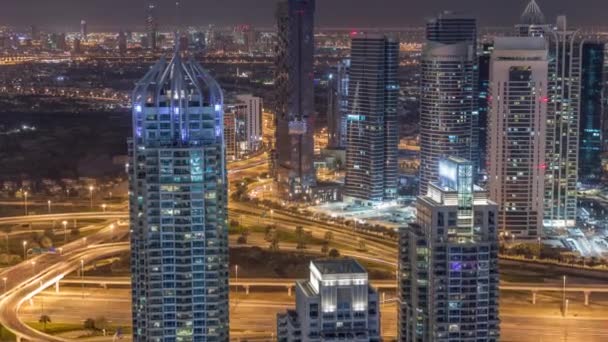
(330,13)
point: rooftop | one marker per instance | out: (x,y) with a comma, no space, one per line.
(338,266)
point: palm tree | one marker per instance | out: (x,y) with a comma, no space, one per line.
(329,236)
(44,319)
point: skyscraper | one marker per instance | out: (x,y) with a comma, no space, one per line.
(563,116)
(448,101)
(532,21)
(592,109)
(152,26)
(337,303)
(448,262)
(178,204)
(372,132)
(516,130)
(84,31)
(295,113)
(122,42)
(252,119)
(337,105)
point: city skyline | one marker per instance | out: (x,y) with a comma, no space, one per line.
(66,14)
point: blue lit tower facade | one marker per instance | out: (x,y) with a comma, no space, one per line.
(448,262)
(337,105)
(372,132)
(294,102)
(448,102)
(178,200)
(592,108)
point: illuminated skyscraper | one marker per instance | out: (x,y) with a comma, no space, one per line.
(517,126)
(372,132)
(563,115)
(337,303)
(592,109)
(337,105)
(178,206)
(152,26)
(448,262)
(448,102)
(532,23)
(295,112)
(122,42)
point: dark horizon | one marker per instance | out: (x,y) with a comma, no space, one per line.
(130,14)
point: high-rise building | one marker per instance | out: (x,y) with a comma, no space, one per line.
(448,101)
(448,262)
(516,133)
(152,26)
(295,112)
(252,121)
(592,111)
(532,21)
(337,105)
(372,133)
(563,116)
(122,42)
(178,206)
(230,133)
(337,303)
(84,31)
(483,85)
(34,33)
(77,46)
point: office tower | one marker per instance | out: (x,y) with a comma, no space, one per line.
(563,115)
(230,129)
(483,85)
(532,21)
(252,121)
(448,101)
(516,129)
(34,33)
(337,105)
(77,46)
(372,132)
(57,41)
(84,32)
(337,303)
(122,42)
(178,206)
(295,113)
(152,26)
(448,262)
(592,109)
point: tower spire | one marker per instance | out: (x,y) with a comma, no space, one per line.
(532,14)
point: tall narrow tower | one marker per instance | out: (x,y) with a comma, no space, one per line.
(152,26)
(372,132)
(294,112)
(448,102)
(178,204)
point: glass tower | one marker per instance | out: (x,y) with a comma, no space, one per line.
(178,200)
(372,132)
(448,103)
(294,111)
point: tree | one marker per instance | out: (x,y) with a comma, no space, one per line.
(241,240)
(44,319)
(325,248)
(89,324)
(46,242)
(300,237)
(334,253)
(329,236)
(274,243)
(362,246)
(101,323)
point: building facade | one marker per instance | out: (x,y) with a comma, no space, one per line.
(178,206)
(448,101)
(563,120)
(532,23)
(517,126)
(151,26)
(372,128)
(337,303)
(337,105)
(592,110)
(252,122)
(448,262)
(295,113)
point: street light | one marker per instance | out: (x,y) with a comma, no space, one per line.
(91,195)
(84,241)
(24,251)
(4,280)
(82,276)
(34,267)
(564,296)
(112,229)
(65,231)
(103,206)
(236,275)
(25,202)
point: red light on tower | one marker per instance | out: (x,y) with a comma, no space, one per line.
(544,99)
(542,166)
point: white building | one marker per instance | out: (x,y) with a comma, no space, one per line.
(448,262)
(517,127)
(335,304)
(252,121)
